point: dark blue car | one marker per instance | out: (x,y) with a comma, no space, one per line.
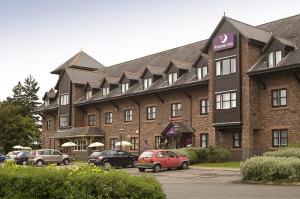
(2,157)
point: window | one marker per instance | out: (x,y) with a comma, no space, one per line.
(204,107)
(128,115)
(64,121)
(89,94)
(157,142)
(64,99)
(147,83)
(172,77)
(176,110)
(81,145)
(91,120)
(108,118)
(135,143)
(105,91)
(280,137)
(204,140)
(274,58)
(125,87)
(49,125)
(113,142)
(201,72)
(226,100)
(225,66)
(151,113)
(237,140)
(279,97)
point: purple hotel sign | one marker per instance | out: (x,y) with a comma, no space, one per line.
(224,41)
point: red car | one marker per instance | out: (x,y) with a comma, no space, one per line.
(161,159)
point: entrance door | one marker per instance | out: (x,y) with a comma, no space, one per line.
(186,140)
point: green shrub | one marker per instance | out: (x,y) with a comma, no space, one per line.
(218,154)
(18,182)
(284,152)
(269,169)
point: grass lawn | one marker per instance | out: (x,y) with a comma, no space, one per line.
(219,165)
(80,162)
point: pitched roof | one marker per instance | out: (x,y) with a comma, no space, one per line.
(78,76)
(153,70)
(79,132)
(110,80)
(79,60)
(49,95)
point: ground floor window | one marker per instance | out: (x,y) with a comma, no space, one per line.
(157,142)
(280,137)
(237,140)
(113,142)
(135,143)
(204,140)
(81,145)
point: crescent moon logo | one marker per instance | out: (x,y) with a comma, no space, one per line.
(223,38)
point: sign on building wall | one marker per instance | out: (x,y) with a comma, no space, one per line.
(224,41)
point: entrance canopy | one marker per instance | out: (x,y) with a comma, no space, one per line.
(176,129)
(87,131)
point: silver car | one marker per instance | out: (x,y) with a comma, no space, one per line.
(48,156)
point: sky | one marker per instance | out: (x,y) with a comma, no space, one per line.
(36,36)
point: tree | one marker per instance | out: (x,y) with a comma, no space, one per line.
(30,89)
(15,128)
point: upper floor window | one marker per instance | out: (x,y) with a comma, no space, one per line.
(89,94)
(151,113)
(128,115)
(204,107)
(91,120)
(279,97)
(274,58)
(125,87)
(64,121)
(226,100)
(201,72)
(280,137)
(176,110)
(225,66)
(203,140)
(47,102)
(147,83)
(64,99)
(49,125)
(108,118)
(172,77)
(105,91)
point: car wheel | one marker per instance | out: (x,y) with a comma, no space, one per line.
(39,163)
(141,169)
(156,168)
(134,164)
(66,161)
(184,165)
(106,165)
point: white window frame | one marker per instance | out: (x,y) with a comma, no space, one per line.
(147,83)
(226,100)
(128,115)
(81,145)
(219,63)
(108,118)
(64,121)
(176,110)
(89,94)
(105,91)
(172,77)
(151,113)
(64,99)
(124,87)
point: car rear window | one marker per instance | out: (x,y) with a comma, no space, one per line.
(96,154)
(146,154)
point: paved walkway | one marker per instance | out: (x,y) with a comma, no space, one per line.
(214,184)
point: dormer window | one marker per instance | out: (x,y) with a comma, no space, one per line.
(89,94)
(47,102)
(172,77)
(125,87)
(147,83)
(274,58)
(201,72)
(105,91)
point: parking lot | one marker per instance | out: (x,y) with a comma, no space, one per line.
(225,184)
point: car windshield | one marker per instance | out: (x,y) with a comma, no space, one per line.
(96,154)
(147,154)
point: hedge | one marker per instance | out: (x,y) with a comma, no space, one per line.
(212,154)
(270,169)
(18,182)
(284,152)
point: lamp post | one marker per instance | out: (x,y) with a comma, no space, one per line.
(121,137)
(176,127)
